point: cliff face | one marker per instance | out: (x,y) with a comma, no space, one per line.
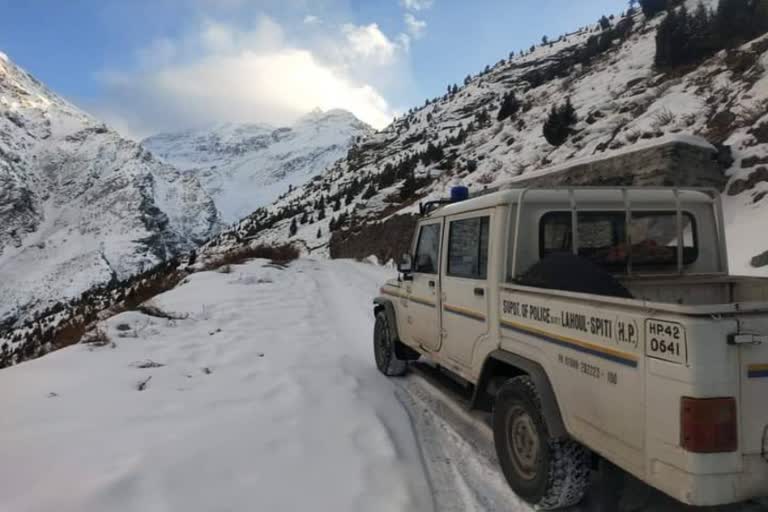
(80,205)
(622,103)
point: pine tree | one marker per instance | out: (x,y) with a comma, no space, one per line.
(408,187)
(605,23)
(701,27)
(741,20)
(544,40)
(509,106)
(482,118)
(369,192)
(304,218)
(293,228)
(673,39)
(652,7)
(432,154)
(319,233)
(337,204)
(342,221)
(560,122)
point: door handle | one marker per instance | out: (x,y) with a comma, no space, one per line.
(431,284)
(479,292)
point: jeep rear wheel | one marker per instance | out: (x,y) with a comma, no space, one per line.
(384,348)
(548,473)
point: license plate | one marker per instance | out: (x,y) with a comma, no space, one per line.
(666,340)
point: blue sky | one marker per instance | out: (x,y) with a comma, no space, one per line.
(151,65)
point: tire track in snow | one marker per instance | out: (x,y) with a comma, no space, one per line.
(346,290)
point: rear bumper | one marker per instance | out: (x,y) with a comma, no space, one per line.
(711,490)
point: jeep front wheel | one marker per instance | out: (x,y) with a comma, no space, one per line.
(384,348)
(548,473)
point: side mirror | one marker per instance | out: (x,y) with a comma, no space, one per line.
(405,267)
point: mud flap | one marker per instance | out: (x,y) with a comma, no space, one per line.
(549,408)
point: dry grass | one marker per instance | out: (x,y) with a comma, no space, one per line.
(752,113)
(96,337)
(664,117)
(281,254)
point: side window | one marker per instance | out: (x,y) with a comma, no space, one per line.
(427,249)
(468,248)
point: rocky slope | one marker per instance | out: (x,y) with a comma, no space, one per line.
(244,166)
(620,98)
(81,206)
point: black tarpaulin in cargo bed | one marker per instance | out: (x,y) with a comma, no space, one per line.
(568,272)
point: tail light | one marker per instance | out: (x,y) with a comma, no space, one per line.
(708,425)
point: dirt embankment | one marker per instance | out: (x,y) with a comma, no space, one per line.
(386,240)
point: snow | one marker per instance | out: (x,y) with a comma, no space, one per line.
(265,401)
(245,166)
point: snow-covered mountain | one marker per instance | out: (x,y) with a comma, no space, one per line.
(80,205)
(244,166)
(621,100)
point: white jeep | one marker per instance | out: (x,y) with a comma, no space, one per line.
(593,322)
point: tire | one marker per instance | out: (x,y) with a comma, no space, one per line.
(547,473)
(384,348)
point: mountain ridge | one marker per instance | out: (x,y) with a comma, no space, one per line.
(79,204)
(247,165)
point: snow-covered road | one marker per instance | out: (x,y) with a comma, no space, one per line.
(262,396)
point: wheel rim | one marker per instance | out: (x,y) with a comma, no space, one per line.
(523,443)
(382,344)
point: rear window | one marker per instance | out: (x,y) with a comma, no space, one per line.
(602,237)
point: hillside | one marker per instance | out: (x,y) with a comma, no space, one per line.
(81,206)
(244,166)
(621,99)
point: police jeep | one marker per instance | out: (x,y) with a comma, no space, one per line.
(593,323)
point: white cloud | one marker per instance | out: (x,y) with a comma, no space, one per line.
(416,27)
(417,5)
(222,74)
(311,19)
(369,42)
